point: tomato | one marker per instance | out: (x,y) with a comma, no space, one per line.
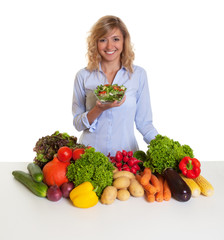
(77,153)
(64,154)
(102,93)
(117,88)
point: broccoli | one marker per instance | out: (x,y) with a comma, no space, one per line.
(92,167)
(164,152)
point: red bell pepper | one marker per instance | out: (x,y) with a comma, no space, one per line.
(190,167)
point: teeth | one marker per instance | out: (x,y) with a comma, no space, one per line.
(110,52)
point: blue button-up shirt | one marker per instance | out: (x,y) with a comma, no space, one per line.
(113,130)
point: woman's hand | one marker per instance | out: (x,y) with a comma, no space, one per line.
(105,106)
(100,107)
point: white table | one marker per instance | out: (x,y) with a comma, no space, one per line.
(25,216)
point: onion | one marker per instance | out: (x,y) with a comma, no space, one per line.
(54,193)
(66,189)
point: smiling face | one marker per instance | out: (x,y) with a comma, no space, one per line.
(110,46)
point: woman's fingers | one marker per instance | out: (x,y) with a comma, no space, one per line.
(105,106)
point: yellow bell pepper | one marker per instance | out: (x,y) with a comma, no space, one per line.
(83,196)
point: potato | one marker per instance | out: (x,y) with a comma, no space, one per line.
(123,194)
(121,182)
(123,174)
(109,195)
(136,188)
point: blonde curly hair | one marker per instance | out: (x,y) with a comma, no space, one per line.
(103,26)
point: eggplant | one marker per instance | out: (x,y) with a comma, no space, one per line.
(178,187)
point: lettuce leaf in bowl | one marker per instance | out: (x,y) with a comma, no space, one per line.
(110,93)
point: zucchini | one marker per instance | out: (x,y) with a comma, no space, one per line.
(38,188)
(35,172)
(178,187)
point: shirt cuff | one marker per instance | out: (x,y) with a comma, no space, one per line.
(150,136)
(85,121)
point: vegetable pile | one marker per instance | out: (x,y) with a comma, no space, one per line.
(164,152)
(65,169)
(110,93)
(46,147)
(84,195)
(92,167)
(125,161)
(124,186)
(155,186)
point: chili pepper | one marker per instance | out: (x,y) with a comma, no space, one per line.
(190,167)
(84,196)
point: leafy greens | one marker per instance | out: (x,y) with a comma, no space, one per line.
(164,152)
(46,147)
(93,167)
(110,93)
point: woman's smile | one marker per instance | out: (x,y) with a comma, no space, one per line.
(110,53)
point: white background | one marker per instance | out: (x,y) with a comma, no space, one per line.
(179,43)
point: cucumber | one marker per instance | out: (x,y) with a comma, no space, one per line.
(35,172)
(38,188)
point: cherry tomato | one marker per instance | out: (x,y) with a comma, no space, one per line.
(116,88)
(102,93)
(64,154)
(77,153)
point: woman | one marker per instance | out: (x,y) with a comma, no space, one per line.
(110,127)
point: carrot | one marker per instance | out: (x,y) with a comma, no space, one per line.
(146,176)
(138,178)
(166,191)
(147,170)
(159,194)
(155,182)
(150,197)
(149,188)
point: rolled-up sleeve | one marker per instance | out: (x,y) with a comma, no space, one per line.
(143,117)
(80,120)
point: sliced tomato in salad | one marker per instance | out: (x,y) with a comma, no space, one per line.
(110,93)
(102,93)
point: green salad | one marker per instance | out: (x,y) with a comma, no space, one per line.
(110,93)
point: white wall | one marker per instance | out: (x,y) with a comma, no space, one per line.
(179,43)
